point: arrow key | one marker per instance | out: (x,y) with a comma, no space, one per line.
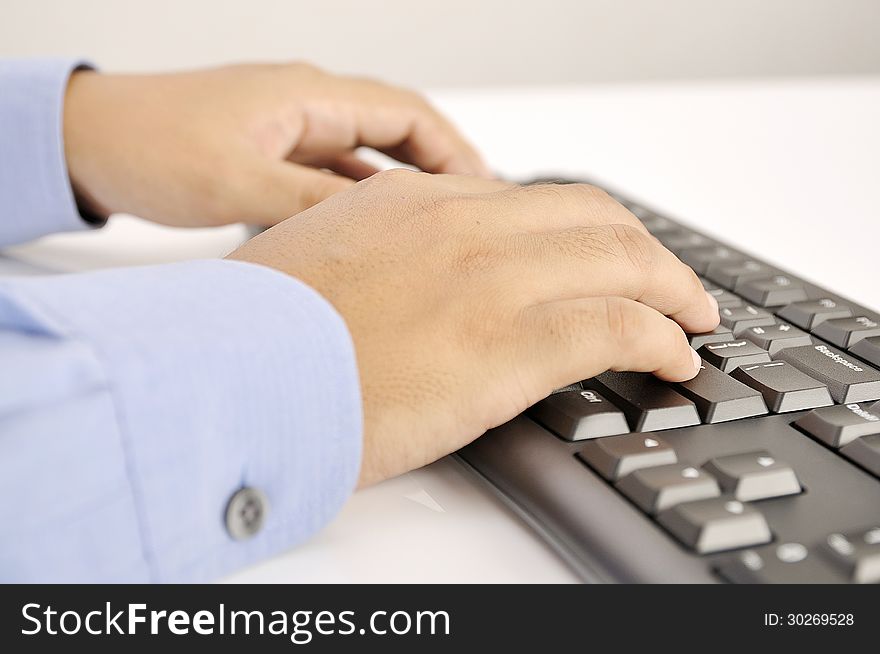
(617,456)
(753,476)
(857,552)
(656,489)
(717,524)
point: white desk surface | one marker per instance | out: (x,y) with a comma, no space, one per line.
(786,169)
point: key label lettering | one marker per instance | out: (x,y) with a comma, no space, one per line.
(838,359)
(791,552)
(840,544)
(752,560)
(861,413)
(734,507)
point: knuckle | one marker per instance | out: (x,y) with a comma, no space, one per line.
(632,244)
(587,198)
(591,202)
(393,177)
(540,192)
(618,318)
(476,256)
(696,285)
(588,192)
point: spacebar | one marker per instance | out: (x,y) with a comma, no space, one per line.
(647,402)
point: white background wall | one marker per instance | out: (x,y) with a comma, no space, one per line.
(462,42)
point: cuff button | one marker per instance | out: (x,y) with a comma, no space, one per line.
(246,513)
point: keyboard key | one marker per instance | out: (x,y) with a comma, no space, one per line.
(740,318)
(709,286)
(848,379)
(728,273)
(846,332)
(753,476)
(720,398)
(807,315)
(772,291)
(840,424)
(786,563)
(857,552)
(617,456)
(657,489)
(652,222)
(730,354)
(648,403)
(718,335)
(866,452)
(681,239)
(726,299)
(577,415)
(784,387)
(777,336)
(699,258)
(571,387)
(868,349)
(715,525)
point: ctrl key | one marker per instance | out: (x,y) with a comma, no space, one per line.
(578,415)
(716,524)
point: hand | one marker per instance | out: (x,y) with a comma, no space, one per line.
(469,300)
(242,143)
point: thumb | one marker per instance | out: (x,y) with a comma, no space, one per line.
(280,189)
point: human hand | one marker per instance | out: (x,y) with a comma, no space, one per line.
(468,300)
(249,143)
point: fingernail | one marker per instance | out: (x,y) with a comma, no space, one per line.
(698,362)
(712,301)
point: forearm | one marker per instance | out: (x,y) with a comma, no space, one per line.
(135,403)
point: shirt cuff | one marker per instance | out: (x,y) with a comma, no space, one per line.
(224,375)
(35,190)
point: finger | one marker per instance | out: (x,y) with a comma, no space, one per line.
(346,164)
(567,341)
(358,112)
(553,207)
(274,191)
(612,260)
(471,184)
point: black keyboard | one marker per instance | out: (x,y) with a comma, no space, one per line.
(764,468)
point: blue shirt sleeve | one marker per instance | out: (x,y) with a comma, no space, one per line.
(34,185)
(135,403)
